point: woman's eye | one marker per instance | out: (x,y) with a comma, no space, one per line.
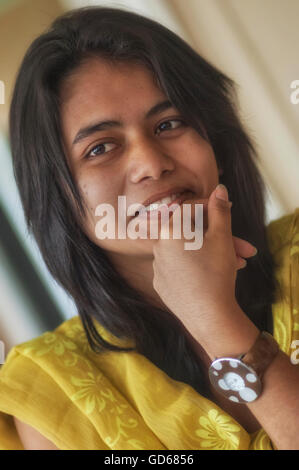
(94,153)
(93,150)
(171,120)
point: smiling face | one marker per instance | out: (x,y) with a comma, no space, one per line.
(140,157)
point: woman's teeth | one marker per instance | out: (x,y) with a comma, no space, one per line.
(155,205)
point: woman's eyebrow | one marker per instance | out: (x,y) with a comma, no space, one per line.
(85,132)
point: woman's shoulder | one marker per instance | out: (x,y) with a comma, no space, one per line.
(68,339)
(66,336)
(283,236)
(45,383)
(284,231)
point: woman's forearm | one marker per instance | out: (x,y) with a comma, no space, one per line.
(277,408)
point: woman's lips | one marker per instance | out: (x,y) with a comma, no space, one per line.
(164,207)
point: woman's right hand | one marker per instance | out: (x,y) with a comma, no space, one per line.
(243,248)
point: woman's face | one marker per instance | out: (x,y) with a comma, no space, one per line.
(140,157)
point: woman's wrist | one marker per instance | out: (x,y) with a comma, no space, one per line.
(228,333)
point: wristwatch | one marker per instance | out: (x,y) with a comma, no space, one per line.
(239,379)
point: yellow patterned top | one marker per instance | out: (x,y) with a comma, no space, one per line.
(82,400)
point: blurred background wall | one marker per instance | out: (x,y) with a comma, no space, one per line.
(255,42)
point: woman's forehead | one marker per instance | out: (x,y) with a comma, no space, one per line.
(98,77)
(102,92)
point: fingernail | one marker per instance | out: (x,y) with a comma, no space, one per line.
(255,252)
(221,192)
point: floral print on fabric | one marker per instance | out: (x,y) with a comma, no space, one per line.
(218,432)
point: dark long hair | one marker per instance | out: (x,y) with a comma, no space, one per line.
(54,206)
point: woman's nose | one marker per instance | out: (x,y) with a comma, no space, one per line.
(150,161)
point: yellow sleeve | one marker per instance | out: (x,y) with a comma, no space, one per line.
(32,395)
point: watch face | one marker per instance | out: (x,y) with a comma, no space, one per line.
(235,380)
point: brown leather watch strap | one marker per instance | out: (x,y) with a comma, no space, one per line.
(262,353)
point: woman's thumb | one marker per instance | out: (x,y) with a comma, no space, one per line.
(219,213)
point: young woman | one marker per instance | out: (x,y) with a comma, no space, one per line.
(109,103)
